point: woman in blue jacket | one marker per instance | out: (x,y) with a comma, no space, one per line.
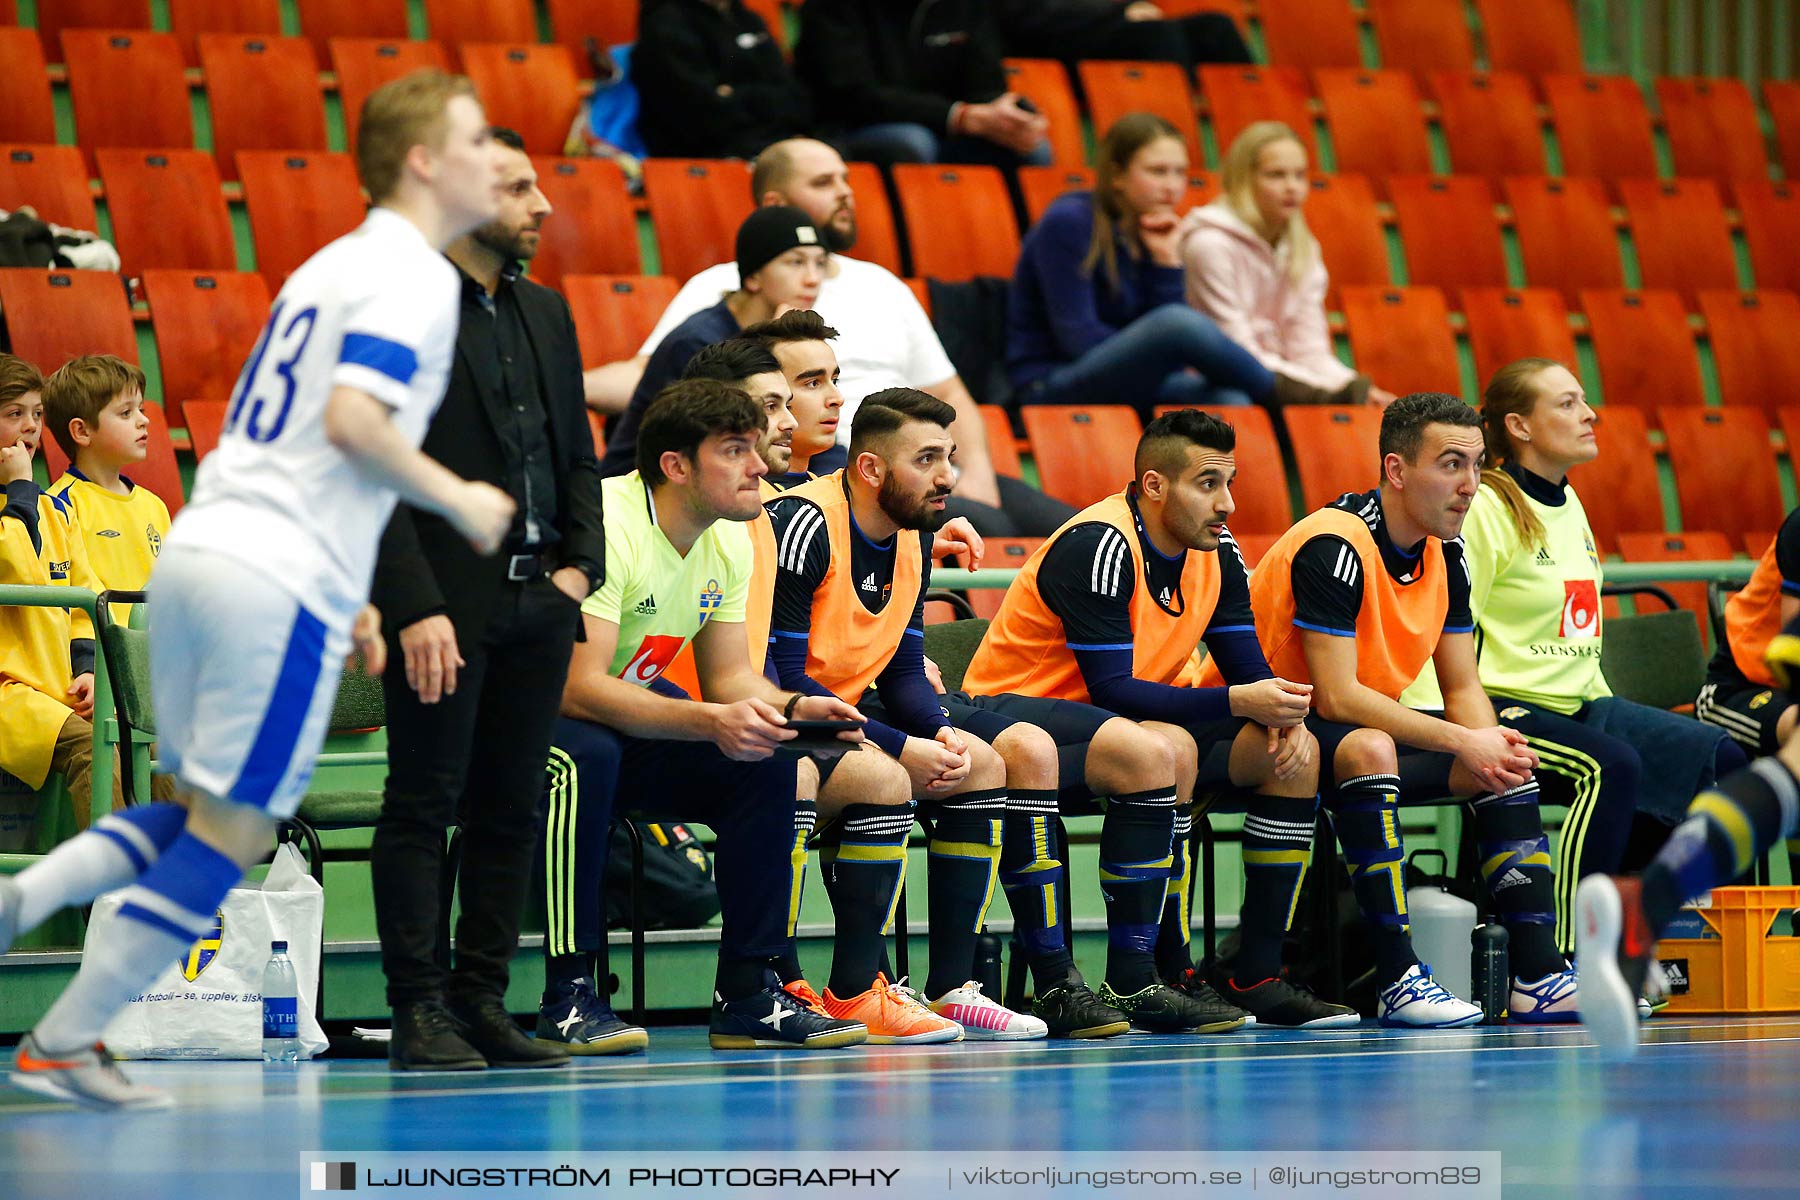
(1097,311)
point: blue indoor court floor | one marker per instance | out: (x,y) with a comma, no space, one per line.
(1710,1107)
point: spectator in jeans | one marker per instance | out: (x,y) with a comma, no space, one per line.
(1133,30)
(1254,267)
(1096,314)
(713,81)
(916,81)
(885,340)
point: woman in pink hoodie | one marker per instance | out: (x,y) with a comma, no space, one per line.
(1254,267)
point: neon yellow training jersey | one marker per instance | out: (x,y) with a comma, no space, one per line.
(658,598)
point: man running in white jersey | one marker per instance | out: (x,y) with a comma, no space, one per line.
(261,589)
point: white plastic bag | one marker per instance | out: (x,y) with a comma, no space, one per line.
(209,1005)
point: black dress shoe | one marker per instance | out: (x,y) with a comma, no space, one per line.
(428,1038)
(490,1029)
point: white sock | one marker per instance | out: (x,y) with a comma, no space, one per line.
(124,959)
(78,870)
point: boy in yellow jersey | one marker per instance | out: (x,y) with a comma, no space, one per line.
(1105,614)
(94,406)
(46,654)
(678,571)
(1355,599)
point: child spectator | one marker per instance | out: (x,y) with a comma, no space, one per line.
(1096,314)
(46,654)
(94,407)
(1254,267)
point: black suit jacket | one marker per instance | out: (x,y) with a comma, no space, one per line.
(425,567)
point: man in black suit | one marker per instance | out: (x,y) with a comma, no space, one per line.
(485,643)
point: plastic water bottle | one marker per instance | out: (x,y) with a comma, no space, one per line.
(1490,972)
(281,1008)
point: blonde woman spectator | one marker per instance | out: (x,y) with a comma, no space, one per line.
(1254,267)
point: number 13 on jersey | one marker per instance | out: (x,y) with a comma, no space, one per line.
(265,391)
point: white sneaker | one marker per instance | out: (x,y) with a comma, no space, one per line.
(1418,1001)
(985,1021)
(1547,1001)
(88,1077)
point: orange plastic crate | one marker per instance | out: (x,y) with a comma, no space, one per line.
(1747,968)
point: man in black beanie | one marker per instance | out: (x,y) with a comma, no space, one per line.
(781,261)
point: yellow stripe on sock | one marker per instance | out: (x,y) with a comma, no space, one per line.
(1729,817)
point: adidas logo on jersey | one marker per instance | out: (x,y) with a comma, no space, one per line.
(869,584)
(1165,597)
(647,606)
(1513,878)
(1544,559)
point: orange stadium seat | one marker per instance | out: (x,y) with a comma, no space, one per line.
(1507,324)
(1451,234)
(608,22)
(1310,33)
(1422,35)
(264,94)
(1083,452)
(297,203)
(1566,233)
(1754,346)
(364,64)
(127,88)
(27,113)
(206,325)
(1045,82)
(1116,88)
(1041,185)
(1783,102)
(167,210)
(54,16)
(1188,8)
(1237,96)
(877,237)
(1003,448)
(1531,35)
(530,89)
(1678,227)
(1725,472)
(1004,553)
(1202,188)
(969,216)
(54,316)
(1401,338)
(1757,542)
(1771,215)
(696,206)
(1261,489)
(325,21)
(159,471)
(1336,448)
(1644,347)
(1713,128)
(1620,489)
(1341,212)
(1690,546)
(615,313)
(592,227)
(205,422)
(455,21)
(1602,126)
(1490,122)
(1377,126)
(52,179)
(188,19)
